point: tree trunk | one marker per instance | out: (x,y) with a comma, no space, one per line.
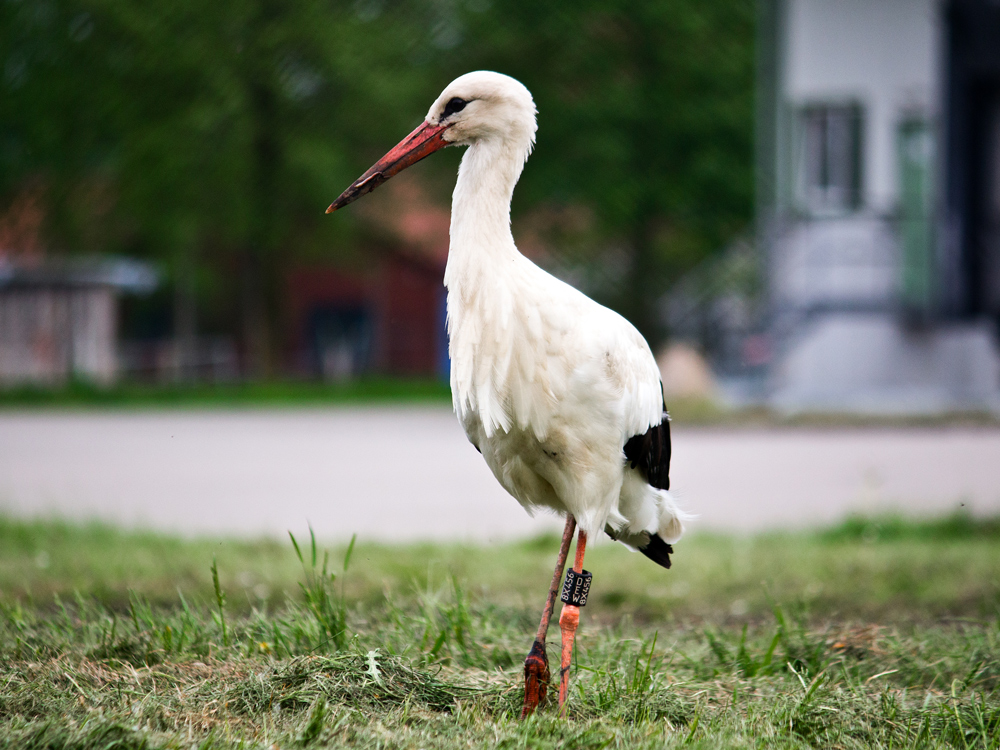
(642,282)
(260,268)
(643,286)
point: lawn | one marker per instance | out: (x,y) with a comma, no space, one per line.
(269,394)
(875,633)
(365,391)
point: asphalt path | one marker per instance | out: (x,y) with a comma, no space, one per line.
(409,473)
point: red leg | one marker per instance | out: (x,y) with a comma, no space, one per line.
(568,622)
(536,666)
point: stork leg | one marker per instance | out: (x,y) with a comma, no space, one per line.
(568,622)
(536,665)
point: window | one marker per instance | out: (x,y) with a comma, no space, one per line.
(829,173)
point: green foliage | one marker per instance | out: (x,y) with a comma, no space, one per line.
(210,136)
(645,118)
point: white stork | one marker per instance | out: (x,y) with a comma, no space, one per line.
(560,395)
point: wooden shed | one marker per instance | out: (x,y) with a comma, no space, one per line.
(59,321)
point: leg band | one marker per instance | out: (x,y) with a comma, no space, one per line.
(576,588)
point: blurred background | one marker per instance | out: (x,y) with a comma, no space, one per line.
(804,197)
(796,201)
(165,173)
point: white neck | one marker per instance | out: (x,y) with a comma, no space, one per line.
(482,246)
(481,276)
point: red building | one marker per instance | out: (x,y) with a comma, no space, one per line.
(388,317)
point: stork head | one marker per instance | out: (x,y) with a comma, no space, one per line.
(485,106)
(475,107)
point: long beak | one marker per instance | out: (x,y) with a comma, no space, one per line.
(422,142)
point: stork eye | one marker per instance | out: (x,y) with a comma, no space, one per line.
(455,105)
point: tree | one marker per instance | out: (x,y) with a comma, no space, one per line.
(645,116)
(273,103)
(210,136)
(220,131)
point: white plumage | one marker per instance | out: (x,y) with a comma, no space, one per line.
(548,384)
(561,395)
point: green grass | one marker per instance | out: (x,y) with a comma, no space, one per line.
(276,393)
(376,390)
(875,633)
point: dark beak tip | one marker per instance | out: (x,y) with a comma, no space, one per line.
(422,142)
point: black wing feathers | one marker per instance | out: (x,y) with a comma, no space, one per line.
(650,452)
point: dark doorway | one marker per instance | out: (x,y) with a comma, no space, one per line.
(971,252)
(987,205)
(341,341)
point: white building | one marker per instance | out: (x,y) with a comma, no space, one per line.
(60,321)
(879,202)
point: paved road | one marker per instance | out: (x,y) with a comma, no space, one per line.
(409,473)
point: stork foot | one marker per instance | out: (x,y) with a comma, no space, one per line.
(536,679)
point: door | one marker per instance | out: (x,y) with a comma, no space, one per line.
(989,220)
(915,155)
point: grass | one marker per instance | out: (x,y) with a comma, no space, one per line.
(225,395)
(375,390)
(874,633)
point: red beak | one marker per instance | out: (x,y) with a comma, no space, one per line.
(422,142)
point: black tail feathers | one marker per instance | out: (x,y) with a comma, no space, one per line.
(651,545)
(658,550)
